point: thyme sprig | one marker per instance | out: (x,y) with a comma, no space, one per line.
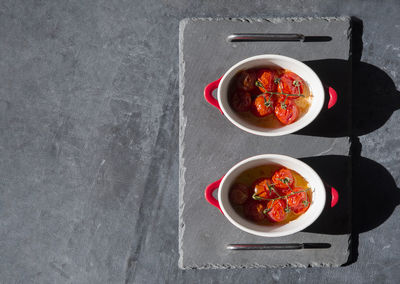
(267,103)
(257,197)
(278,81)
(297,84)
(259,84)
(272,188)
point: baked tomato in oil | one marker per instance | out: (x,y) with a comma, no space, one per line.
(241,101)
(276,210)
(247,80)
(263,105)
(286,112)
(254,210)
(298,202)
(267,79)
(239,193)
(283,178)
(262,188)
(290,83)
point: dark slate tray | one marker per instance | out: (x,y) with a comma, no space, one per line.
(210,145)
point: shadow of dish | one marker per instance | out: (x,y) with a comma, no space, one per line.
(332,122)
(371,103)
(374,99)
(364,203)
(334,171)
(365,93)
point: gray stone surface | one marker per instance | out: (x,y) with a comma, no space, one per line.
(210,144)
(80,80)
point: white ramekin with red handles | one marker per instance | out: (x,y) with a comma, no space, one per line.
(277,230)
(270,61)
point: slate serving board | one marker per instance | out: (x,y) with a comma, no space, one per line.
(210,145)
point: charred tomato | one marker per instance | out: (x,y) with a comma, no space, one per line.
(239,193)
(241,101)
(247,80)
(255,210)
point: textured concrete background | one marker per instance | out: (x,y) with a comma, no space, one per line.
(89,141)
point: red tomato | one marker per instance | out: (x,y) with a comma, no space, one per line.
(263,105)
(298,202)
(276,211)
(267,78)
(241,101)
(255,210)
(283,178)
(290,83)
(287,113)
(239,193)
(262,190)
(247,80)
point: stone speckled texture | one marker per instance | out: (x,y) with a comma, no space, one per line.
(210,144)
(84,82)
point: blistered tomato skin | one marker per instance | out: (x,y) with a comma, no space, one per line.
(283,178)
(247,80)
(290,83)
(241,101)
(274,198)
(276,211)
(286,112)
(298,202)
(267,79)
(271,93)
(255,210)
(263,105)
(261,188)
(239,194)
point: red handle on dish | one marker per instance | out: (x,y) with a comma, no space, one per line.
(335,197)
(208,94)
(332,97)
(209,191)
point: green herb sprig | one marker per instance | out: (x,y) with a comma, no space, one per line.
(278,81)
(271,187)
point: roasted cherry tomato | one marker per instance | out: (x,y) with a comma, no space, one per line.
(247,80)
(261,188)
(241,101)
(287,112)
(255,210)
(298,202)
(290,83)
(239,193)
(283,178)
(267,79)
(263,105)
(276,211)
